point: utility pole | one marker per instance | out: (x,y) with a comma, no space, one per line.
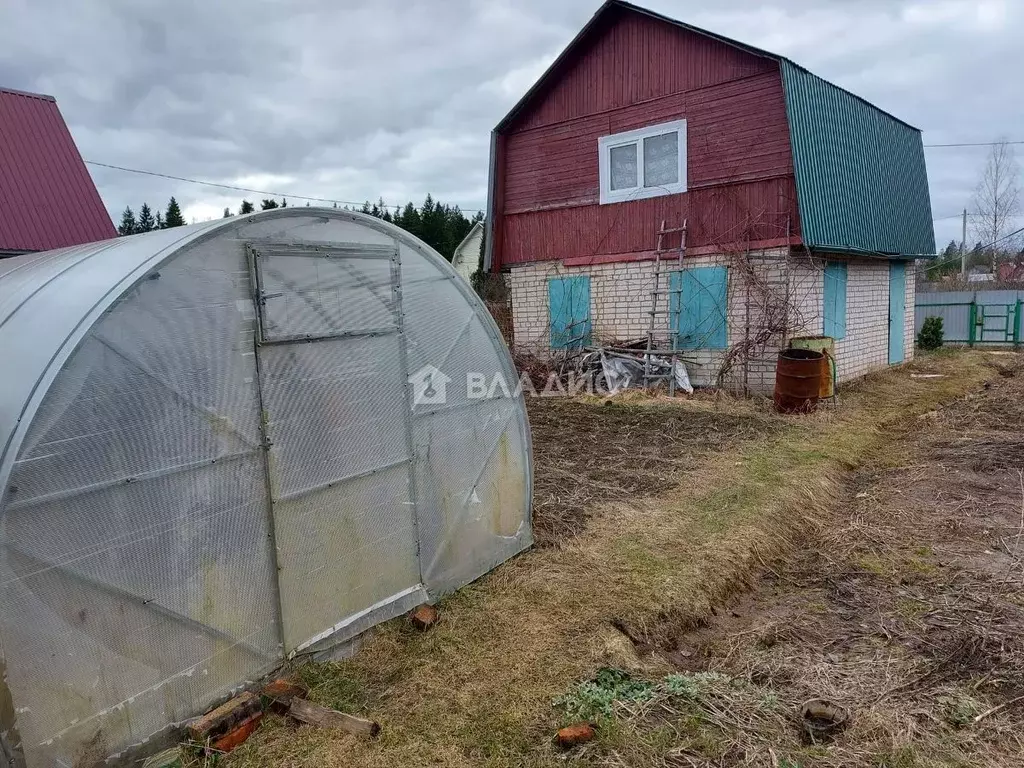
(963,249)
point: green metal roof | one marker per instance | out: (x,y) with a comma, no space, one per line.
(861,180)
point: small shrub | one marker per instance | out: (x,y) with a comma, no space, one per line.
(959,710)
(930,336)
(595,699)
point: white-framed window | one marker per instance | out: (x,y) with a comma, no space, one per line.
(647,162)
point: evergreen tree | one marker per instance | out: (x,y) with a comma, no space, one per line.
(159,221)
(948,262)
(268,203)
(173,217)
(479,278)
(247,207)
(483,245)
(227,213)
(128,223)
(284,202)
(440,225)
(409,220)
(146,221)
(432,224)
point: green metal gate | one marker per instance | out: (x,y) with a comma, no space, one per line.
(996,323)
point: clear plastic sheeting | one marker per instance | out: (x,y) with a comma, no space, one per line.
(624,371)
(232,459)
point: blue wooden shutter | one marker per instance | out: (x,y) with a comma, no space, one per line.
(835,300)
(697,307)
(569,307)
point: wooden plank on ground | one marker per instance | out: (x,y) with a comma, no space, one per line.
(322,717)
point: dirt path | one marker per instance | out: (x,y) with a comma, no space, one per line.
(908,611)
(638,585)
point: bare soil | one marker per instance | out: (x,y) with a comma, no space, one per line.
(617,450)
(907,609)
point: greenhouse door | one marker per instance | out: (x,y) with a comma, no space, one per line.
(336,423)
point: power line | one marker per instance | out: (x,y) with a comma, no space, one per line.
(975,144)
(235,188)
(935,264)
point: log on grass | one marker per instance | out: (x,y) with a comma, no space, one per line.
(322,717)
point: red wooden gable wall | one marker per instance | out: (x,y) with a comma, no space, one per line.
(634,71)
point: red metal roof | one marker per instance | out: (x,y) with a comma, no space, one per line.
(47,198)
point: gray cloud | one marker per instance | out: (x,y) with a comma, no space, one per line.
(354,100)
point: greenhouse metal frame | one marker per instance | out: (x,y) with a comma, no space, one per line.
(229,444)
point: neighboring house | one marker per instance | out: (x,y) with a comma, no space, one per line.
(792,190)
(47,198)
(1012,271)
(979,275)
(467,255)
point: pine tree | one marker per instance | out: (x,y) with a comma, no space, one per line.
(128,223)
(284,202)
(227,213)
(173,217)
(159,221)
(146,221)
(409,220)
(432,221)
(247,207)
(268,203)
(483,244)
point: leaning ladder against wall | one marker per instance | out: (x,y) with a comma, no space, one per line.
(654,312)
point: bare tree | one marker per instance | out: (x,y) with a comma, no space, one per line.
(996,200)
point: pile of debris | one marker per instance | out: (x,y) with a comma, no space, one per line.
(233,722)
(228,726)
(631,366)
(604,370)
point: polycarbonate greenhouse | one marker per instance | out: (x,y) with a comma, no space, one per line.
(227,444)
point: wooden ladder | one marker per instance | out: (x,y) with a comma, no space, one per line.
(654,312)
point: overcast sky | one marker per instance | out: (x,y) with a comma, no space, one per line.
(395,98)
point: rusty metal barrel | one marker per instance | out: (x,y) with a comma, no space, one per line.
(827,345)
(798,380)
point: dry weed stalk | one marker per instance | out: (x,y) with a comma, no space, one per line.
(772,311)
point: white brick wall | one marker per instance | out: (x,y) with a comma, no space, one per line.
(865,346)
(620,300)
(909,337)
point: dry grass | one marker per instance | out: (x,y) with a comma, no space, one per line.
(907,610)
(478,688)
(633,449)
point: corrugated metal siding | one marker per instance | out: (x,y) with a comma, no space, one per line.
(630,58)
(860,173)
(739,172)
(47,198)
